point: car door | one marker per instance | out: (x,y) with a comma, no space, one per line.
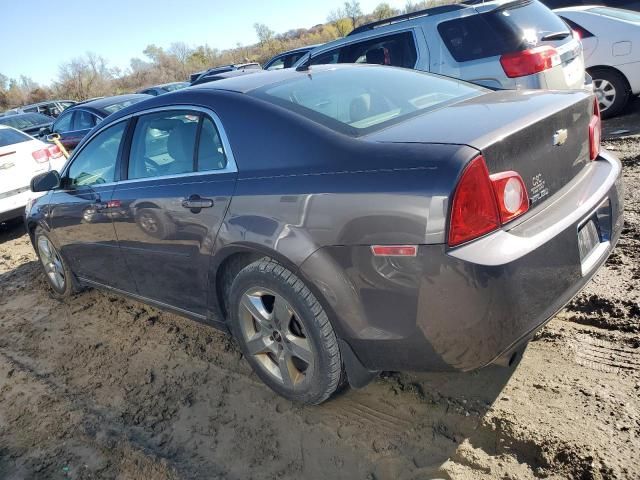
(180,177)
(80,214)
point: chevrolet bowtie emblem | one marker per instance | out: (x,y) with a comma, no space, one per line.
(560,137)
(5,166)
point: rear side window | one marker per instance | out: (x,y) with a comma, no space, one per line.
(9,136)
(398,50)
(83,120)
(500,31)
(163,144)
(583,32)
(96,162)
(211,155)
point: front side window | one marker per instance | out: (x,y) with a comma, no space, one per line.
(96,162)
(163,144)
(398,50)
(63,124)
(277,64)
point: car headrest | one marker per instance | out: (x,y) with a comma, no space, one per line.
(378,56)
(181,141)
(360,107)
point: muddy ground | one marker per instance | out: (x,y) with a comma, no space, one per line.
(103,387)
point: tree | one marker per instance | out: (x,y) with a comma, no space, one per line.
(343,26)
(384,10)
(353,11)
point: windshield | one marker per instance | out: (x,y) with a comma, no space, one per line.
(25,121)
(618,13)
(175,86)
(357,100)
(9,136)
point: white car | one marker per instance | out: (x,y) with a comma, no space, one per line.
(21,158)
(611,42)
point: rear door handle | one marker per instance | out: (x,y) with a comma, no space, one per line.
(195,202)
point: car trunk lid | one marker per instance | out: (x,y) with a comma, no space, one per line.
(543,136)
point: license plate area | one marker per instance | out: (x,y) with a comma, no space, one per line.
(594,236)
(588,239)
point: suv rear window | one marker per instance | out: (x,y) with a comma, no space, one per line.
(504,30)
(359,100)
(9,136)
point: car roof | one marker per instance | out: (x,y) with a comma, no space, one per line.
(101,103)
(576,8)
(306,48)
(262,78)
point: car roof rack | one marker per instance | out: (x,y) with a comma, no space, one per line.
(408,16)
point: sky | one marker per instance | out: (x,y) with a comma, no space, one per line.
(120,29)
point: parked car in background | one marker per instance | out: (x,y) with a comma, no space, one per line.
(215,76)
(33,124)
(164,88)
(199,77)
(51,108)
(341,221)
(21,158)
(289,58)
(624,4)
(77,121)
(611,42)
(499,44)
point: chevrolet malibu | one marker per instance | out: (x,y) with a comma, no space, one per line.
(341,220)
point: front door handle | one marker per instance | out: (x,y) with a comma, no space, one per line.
(195,202)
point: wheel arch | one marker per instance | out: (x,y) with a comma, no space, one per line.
(613,69)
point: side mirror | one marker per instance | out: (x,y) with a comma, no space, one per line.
(44,131)
(45,181)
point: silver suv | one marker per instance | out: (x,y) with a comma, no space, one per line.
(499,44)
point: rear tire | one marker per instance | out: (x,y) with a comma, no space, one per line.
(284,333)
(56,270)
(611,89)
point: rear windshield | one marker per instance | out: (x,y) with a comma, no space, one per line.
(358,100)
(25,121)
(9,136)
(618,13)
(500,31)
(114,107)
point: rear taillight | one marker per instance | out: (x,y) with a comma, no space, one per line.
(41,156)
(528,62)
(482,203)
(595,131)
(54,152)
(511,195)
(473,211)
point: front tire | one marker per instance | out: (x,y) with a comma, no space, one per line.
(284,333)
(56,270)
(611,91)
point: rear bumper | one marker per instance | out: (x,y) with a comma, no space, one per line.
(464,308)
(13,203)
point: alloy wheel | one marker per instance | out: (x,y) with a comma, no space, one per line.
(605,93)
(149,223)
(51,262)
(275,336)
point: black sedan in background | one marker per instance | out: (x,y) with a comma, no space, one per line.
(164,88)
(34,124)
(75,122)
(342,220)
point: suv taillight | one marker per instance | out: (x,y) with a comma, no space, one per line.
(595,131)
(482,203)
(528,62)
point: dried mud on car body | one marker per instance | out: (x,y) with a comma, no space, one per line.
(103,387)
